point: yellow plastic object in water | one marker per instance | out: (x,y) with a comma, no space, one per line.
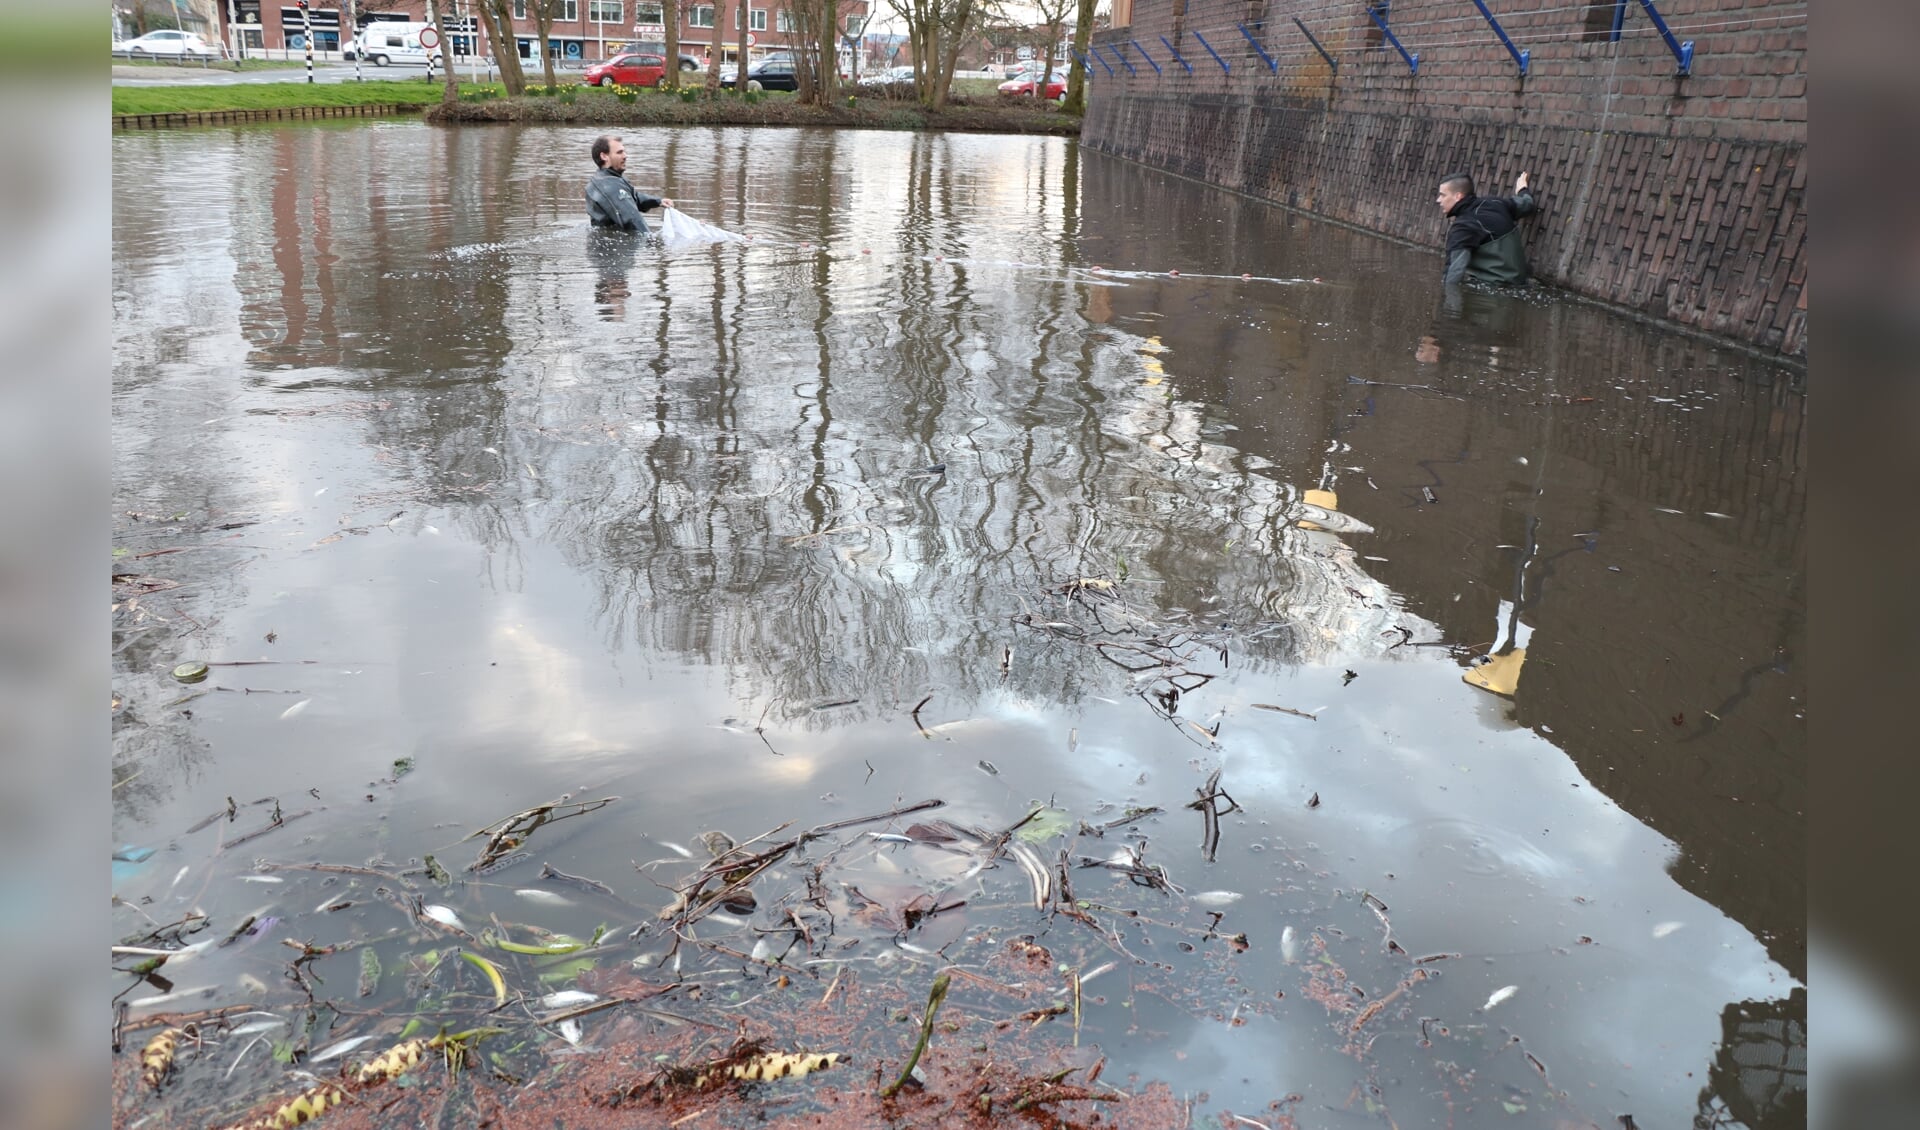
(1324,499)
(1501,674)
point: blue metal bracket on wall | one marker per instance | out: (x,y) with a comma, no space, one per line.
(1085,64)
(1097,58)
(1331,61)
(1144,55)
(1258,50)
(1122,56)
(1171,50)
(1413,61)
(1682,52)
(1212,52)
(1519,56)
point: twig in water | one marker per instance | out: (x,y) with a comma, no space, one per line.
(1207,795)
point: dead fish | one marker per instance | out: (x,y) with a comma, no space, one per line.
(1289,946)
(295,709)
(567,998)
(1667,510)
(989,768)
(1500,996)
(1216,898)
(257,1026)
(335,1051)
(569,1031)
(675,848)
(443,915)
(261,879)
(1717,514)
(890,838)
(1666,928)
(169,998)
(546,897)
(1089,975)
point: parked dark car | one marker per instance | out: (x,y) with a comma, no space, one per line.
(768,74)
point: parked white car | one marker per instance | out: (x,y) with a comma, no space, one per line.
(176,44)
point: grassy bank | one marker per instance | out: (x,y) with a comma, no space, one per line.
(649,107)
(272,96)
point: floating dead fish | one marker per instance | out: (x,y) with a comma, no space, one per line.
(675,848)
(169,998)
(1667,510)
(545,897)
(295,709)
(567,998)
(261,879)
(1717,514)
(569,1031)
(335,1051)
(443,915)
(890,838)
(1289,946)
(1500,996)
(1665,928)
(1216,898)
(989,768)
(257,1026)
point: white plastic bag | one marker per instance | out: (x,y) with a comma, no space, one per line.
(679,229)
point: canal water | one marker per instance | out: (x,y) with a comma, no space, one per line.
(988,471)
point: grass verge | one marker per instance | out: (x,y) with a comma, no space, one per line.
(272,96)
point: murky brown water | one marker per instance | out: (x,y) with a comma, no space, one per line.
(551,518)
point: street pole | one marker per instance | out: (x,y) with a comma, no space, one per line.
(235,44)
(359,48)
(434,20)
(306,27)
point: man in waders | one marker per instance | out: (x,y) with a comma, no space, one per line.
(1484,243)
(611,201)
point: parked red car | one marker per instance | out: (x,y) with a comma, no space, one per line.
(628,70)
(1022,87)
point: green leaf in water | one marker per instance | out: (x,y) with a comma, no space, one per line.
(369,971)
(401,767)
(119,551)
(1044,825)
(283,1050)
(1513,1107)
(413,1025)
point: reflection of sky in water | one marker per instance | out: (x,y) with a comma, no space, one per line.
(575,556)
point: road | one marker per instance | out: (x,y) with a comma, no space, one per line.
(193,74)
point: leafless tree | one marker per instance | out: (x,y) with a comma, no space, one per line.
(936,30)
(1076,102)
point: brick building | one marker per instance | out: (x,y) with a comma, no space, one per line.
(1678,195)
(585,31)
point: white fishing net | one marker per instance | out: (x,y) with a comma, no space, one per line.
(678,228)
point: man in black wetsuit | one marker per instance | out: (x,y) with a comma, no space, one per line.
(611,201)
(1484,243)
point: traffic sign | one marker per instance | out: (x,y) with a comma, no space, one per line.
(752,39)
(429,38)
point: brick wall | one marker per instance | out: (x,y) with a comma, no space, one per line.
(1682,198)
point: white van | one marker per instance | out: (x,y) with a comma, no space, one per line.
(392,42)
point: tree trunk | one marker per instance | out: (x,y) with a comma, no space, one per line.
(741,15)
(1077,76)
(963,17)
(445,47)
(670,15)
(543,23)
(495,18)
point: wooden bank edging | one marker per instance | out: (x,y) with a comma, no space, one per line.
(180,119)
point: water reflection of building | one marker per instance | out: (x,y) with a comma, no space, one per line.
(1667,649)
(1759,1077)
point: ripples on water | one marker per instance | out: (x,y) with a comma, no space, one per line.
(547,513)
